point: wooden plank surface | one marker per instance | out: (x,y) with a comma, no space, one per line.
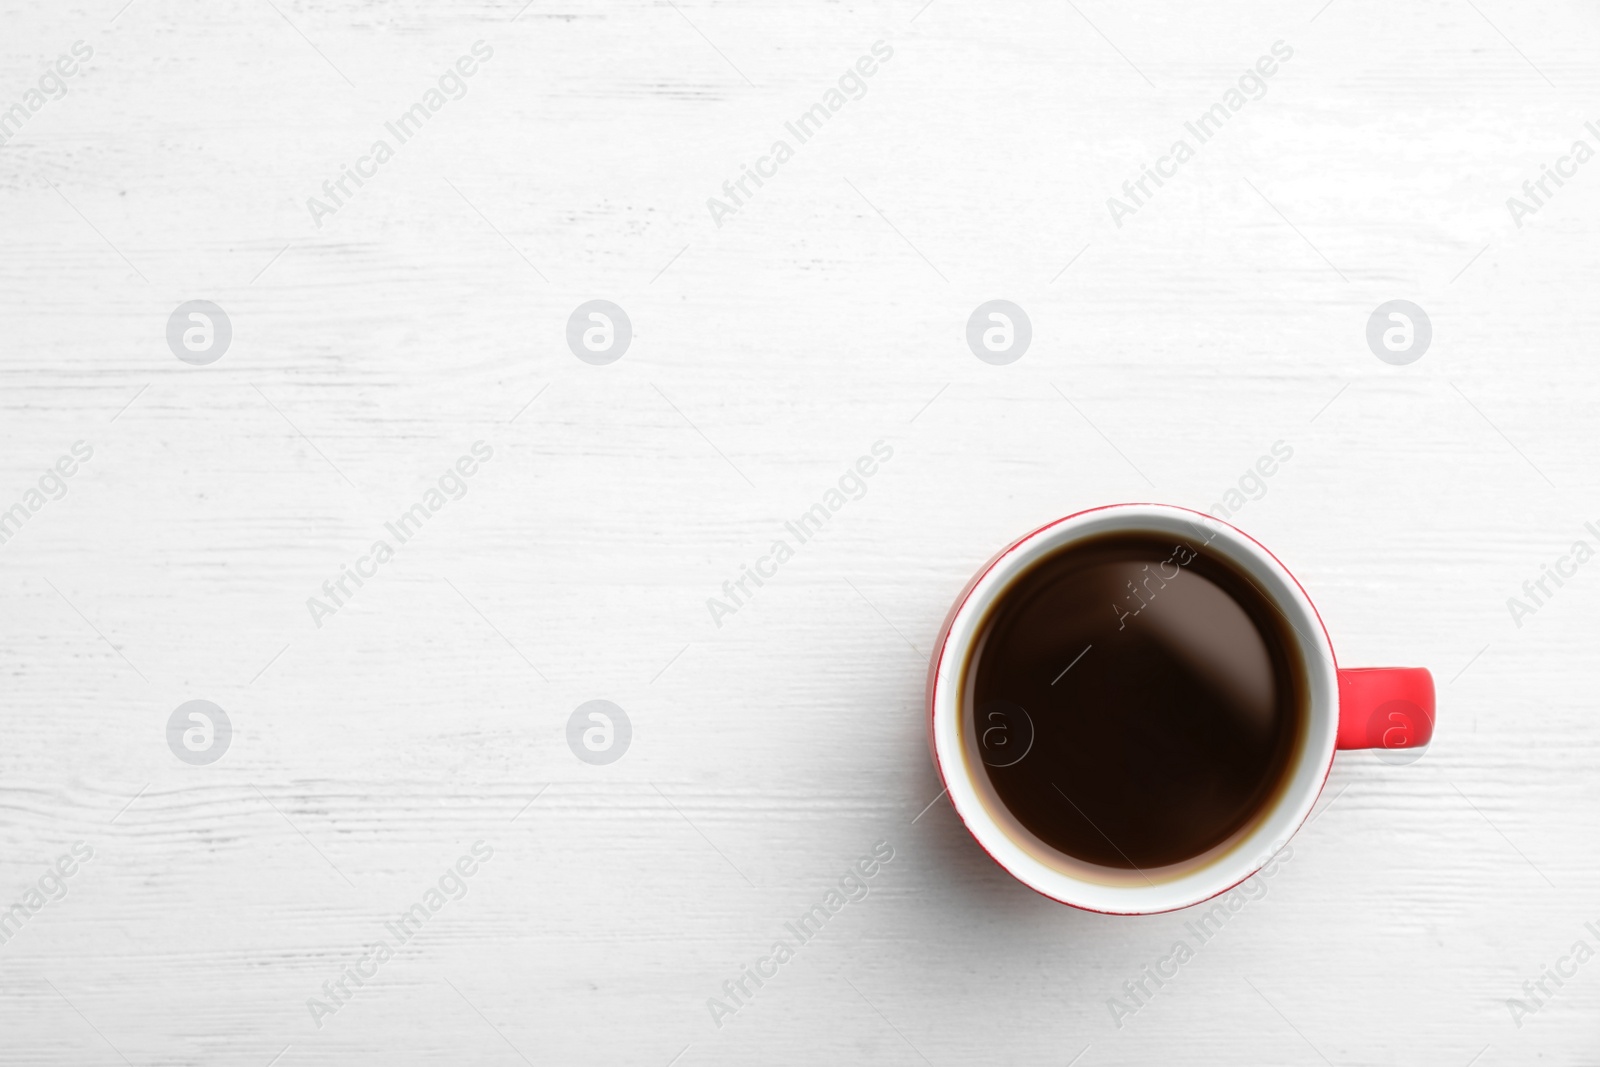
(772,346)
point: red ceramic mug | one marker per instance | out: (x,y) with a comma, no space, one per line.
(1389,708)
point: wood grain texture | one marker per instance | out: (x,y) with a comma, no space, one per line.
(825,314)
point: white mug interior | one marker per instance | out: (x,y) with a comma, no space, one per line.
(1117,890)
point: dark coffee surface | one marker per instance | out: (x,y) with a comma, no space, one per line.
(1161,703)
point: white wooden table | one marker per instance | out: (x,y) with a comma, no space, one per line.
(774,341)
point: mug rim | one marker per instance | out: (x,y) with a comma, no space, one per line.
(1308,774)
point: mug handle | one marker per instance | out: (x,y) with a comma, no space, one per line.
(1385,707)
